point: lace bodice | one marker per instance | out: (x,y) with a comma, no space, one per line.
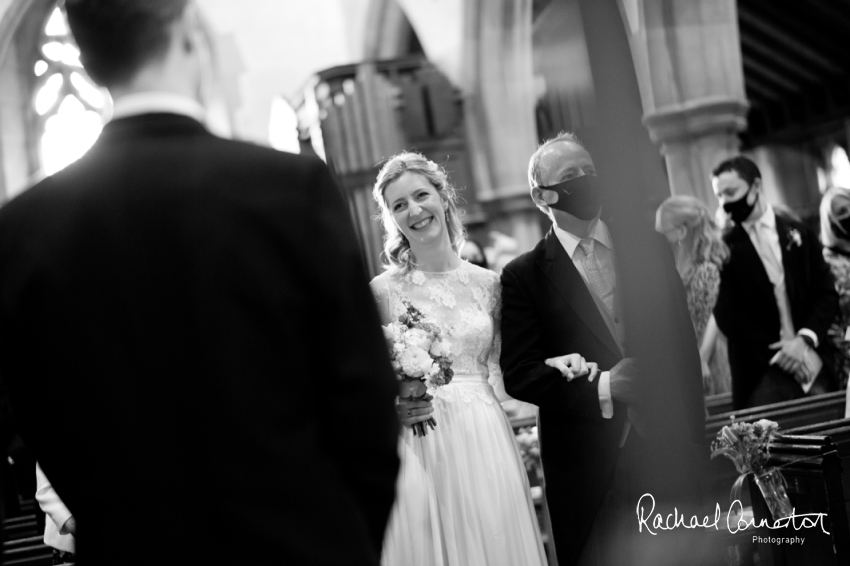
(465,303)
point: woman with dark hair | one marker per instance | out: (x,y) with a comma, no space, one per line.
(835,237)
(700,253)
(463,493)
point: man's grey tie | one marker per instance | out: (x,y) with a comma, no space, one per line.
(601,281)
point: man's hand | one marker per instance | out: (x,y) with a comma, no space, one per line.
(623,380)
(70,527)
(706,376)
(572,366)
(790,355)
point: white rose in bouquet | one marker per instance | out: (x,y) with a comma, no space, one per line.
(399,348)
(441,348)
(415,361)
(418,338)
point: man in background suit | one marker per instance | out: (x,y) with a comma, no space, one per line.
(603,439)
(777,296)
(186,328)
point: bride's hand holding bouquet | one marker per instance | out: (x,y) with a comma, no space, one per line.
(420,358)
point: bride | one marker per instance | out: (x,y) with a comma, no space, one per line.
(463,495)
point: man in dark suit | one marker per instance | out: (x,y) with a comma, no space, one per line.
(777,296)
(601,438)
(187,331)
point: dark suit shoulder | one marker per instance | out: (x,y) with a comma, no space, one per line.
(527,261)
(240,150)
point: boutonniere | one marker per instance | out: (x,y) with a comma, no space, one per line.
(794,239)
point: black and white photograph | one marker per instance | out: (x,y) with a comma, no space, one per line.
(425,282)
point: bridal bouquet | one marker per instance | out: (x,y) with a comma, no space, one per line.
(748,446)
(420,358)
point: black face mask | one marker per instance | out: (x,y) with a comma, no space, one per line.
(578,196)
(740,209)
(841,228)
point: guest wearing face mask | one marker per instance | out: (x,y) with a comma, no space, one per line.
(835,236)
(700,253)
(777,297)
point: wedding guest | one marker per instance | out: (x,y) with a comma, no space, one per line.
(463,491)
(835,236)
(602,440)
(473,252)
(700,254)
(777,296)
(225,372)
(60,526)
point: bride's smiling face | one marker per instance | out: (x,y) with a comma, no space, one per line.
(417,208)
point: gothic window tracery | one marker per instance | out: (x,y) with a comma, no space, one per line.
(68,105)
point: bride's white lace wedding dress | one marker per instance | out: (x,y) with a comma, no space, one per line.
(463,495)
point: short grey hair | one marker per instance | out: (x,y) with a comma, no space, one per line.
(534,163)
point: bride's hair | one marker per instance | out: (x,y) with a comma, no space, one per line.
(396,247)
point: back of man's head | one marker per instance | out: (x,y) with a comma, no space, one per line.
(117,38)
(744,167)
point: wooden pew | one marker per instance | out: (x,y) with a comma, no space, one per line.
(27,552)
(813,410)
(838,431)
(789,414)
(812,468)
(720,403)
(23,541)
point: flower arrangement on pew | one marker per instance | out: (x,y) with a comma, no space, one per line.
(420,357)
(529,448)
(748,446)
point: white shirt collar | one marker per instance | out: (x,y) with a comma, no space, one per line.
(570,241)
(767,219)
(157,102)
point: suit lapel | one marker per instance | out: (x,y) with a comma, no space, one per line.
(565,278)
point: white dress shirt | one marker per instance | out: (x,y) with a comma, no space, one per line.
(55,535)
(766,225)
(157,102)
(605,255)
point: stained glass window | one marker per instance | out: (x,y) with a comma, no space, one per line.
(68,104)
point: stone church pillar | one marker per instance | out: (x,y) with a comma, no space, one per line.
(687,56)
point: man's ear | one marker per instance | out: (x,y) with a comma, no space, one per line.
(190,27)
(543,197)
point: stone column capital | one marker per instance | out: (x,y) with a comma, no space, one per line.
(697,118)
